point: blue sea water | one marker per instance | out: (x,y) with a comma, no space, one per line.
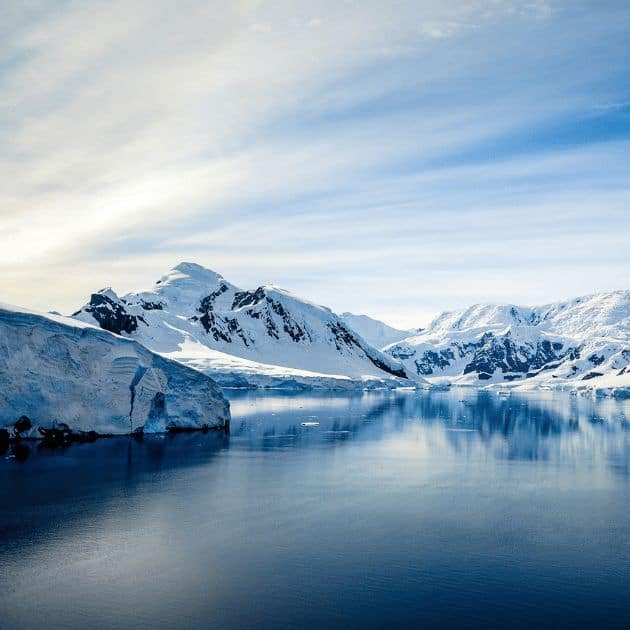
(371,510)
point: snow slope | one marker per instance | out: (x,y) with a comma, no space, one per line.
(265,337)
(57,369)
(375,332)
(581,343)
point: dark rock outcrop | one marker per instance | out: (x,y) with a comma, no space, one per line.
(111,315)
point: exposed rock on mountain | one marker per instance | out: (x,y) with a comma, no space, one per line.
(568,343)
(260,337)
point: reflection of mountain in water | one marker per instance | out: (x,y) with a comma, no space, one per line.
(529,427)
(541,427)
(462,428)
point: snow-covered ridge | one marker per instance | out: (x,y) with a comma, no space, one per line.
(261,337)
(56,369)
(584,342)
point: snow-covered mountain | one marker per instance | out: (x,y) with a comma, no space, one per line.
(374,331)
(57,369)
(261,337)
(584,342)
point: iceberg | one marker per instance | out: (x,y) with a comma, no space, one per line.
(57,370)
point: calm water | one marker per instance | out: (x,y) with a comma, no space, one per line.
(398,510)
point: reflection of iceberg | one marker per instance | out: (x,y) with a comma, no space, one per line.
(99,470)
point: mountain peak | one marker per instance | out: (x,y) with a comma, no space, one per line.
(194,315)
(188,266)
(189,274)
(108,292)
(192,269)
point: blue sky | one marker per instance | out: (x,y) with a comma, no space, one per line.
(392,158)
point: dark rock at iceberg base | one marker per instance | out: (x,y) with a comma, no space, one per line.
(22,425)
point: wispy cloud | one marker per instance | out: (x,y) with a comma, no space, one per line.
(401,160)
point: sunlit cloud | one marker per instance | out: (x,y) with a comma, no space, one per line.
(403,162)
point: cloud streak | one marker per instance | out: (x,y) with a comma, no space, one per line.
(136,134)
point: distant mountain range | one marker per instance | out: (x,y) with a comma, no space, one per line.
(268,337)
(126,365)
(584,342)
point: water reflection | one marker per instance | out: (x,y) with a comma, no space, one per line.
(376,509)
(61,475)
(530,427)
(462,425)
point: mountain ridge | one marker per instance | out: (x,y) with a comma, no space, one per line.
(374,331)
(192,312)
(269,337)
(562,343)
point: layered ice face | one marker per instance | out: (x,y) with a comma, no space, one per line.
(56,369)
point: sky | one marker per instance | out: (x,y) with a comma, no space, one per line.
(391,158)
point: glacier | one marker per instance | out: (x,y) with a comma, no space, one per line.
(265,337)
(56,369)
